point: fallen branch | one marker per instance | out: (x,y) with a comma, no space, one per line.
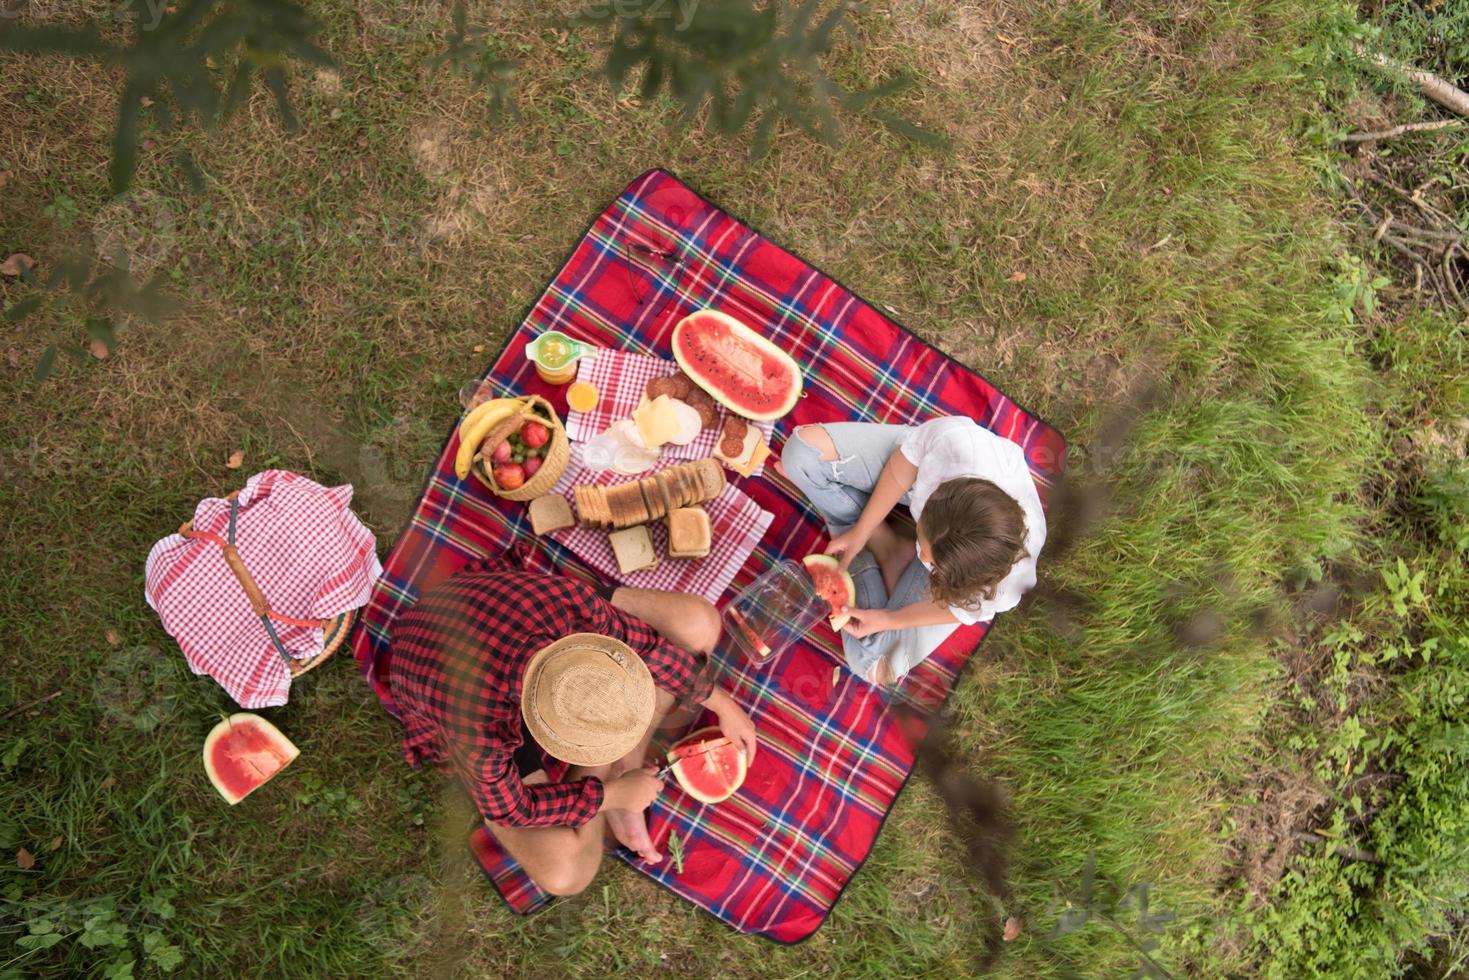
(30,704)
(1345,850)
(1440,90)
(1403,130)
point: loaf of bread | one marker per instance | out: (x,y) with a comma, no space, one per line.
(689,535)
(633,548)
(550,513)
(621,505)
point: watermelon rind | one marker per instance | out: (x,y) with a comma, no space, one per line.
(688,780)
(821,565)
(728,399)
(282,746)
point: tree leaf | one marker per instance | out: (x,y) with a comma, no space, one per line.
(125,140)
(24,859)
(275,80)
(54,40)
(236,460)
(45,364)
(24,308)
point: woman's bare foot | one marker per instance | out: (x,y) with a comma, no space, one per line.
(893,552)
(631,830)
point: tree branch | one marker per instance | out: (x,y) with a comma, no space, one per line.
(1440,90)
(1405,128)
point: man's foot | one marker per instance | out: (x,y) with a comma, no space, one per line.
(894,553)
(631,830)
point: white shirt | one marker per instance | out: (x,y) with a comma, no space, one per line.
(948,448)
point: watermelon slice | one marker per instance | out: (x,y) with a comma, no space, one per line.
(741,369)
(709,766)
(833,585)
(243,752)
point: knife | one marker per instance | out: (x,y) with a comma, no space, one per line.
(710,746)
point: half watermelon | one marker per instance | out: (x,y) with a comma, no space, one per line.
(709,766)
(243,752)
(833,585)
(741,369)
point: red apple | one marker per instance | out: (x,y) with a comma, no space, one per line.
(508,476)
(530,466)
(502,452)
(534,434)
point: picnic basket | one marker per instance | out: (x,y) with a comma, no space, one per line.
(334,629)
(558,450)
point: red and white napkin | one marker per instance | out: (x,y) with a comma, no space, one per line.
(737,523)
(306,550)
(620,379)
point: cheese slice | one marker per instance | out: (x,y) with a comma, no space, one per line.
(657,421)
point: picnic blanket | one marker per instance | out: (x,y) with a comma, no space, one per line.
(774,859)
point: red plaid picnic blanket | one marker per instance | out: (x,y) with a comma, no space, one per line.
(773,859)
(620,379)
(736,524)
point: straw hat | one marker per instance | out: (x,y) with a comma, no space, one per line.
(587,699)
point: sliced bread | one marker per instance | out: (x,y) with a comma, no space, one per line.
(633,548)
(550,513)
(689,534)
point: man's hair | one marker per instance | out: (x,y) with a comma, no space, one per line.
(976,533)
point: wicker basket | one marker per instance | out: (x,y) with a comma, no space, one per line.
(558,451)
(334,630)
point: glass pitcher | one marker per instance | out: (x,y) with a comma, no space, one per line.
(769,615)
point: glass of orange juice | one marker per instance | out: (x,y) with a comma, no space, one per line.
(582,396)
(555,355)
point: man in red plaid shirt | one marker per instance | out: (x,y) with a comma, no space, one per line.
(500,672)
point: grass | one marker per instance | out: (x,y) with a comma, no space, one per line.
(1136,162)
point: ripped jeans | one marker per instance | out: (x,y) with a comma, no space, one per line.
(838,489)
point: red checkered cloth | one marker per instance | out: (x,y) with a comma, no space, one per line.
(620,379)
(310,555)
(737,523)
(773,859)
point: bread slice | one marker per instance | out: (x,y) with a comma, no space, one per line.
(585,503)
(689,534)
(711,478)
(633,548)
(625,501)
(665,494)
(651,498)
(550,513)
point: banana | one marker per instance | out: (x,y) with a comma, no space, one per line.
(476,426)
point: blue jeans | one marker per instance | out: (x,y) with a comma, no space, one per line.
(839,489)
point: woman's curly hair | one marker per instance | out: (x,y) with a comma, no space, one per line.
(976,534)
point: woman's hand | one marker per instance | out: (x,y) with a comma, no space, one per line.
(844,546)
(733,723)
(865,622)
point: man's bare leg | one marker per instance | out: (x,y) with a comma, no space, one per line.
(630,827)
(561,860)
(686,621)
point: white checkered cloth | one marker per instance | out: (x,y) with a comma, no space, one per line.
(737,523)
(620,379)
(306,550)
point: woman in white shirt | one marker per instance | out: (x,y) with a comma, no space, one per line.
(979,521)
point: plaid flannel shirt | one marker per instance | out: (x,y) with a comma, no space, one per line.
(458,658)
